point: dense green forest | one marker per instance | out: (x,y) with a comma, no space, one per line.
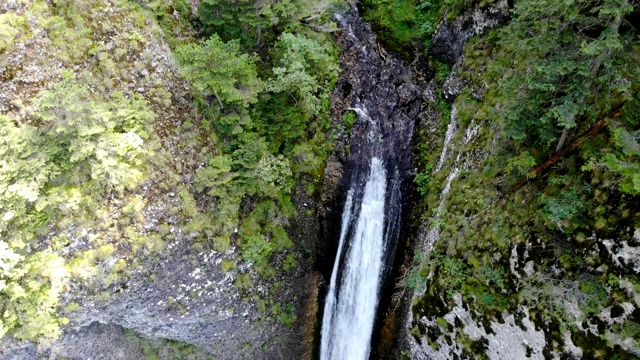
(88,148)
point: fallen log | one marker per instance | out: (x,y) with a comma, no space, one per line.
(575,145)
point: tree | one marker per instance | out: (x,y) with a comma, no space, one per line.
(222,70)
(565,64)
(305,69)
(75,149)
(29,296)
(622,156)
(101,141)
(240,19)
(246,20)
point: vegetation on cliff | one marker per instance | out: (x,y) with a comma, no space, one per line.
(546,196)
(268,110)
(95,116)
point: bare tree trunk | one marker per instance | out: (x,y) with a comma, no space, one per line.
(259,35)
(563,139)
(219,101)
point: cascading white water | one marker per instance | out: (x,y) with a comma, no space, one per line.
(372,216)
(434,234)
(350,308)
(330,301)
(448,136)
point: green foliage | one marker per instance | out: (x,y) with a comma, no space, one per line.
(415,281)
(81,145)
(403,22)
(263,234)
(119,266)
(234,20)
(306,68)
(69,32)
(104,137)
(272,131)
(627,329)
(309,159)
(423,180)
(29,292)
(289,262)
(287,317)
(216,177)
(443,108)
(227,266)
(536,86)
(400,18)
(174,17)
(622,158)
(452,274)
(219,68)
(442,71)
(595,296)
(572,76)
(74,151)
(565,207)
(248,20)
(406,25)
(243,282)
(11,27)
(349,118)
(522,165)
(416,278)
(162,8)
(563,201)
(274,175)
(155,349)
(82,148)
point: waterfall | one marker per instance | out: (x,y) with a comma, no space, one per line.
(330,301)
(380,162)
(451,132)
(349,313)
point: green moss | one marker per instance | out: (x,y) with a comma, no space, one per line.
(349,118)
(72,306)
(227,266)
(119,266)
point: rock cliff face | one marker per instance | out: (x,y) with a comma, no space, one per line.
(447,326)
(183,293)
(460,150)
(450,36)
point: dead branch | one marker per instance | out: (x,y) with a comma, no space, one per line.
(595,130)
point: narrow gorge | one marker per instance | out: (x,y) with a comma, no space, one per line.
(384,95)
(320,179)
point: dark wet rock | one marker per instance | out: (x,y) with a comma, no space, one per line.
(450,36)
(332,176)
(387,94)
(453,85)
(385,88)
